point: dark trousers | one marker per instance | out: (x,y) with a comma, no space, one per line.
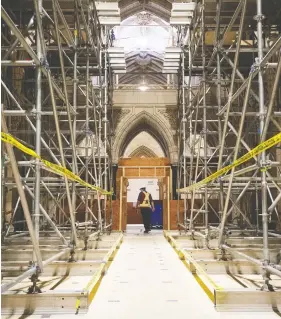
(146,217)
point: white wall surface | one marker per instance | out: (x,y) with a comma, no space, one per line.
(145,99)
(144,139)
(136,184)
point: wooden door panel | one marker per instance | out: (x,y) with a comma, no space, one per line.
(133,217)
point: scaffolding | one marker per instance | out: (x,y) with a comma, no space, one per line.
(234,107)
(57,85)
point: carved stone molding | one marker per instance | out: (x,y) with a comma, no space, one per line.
(170,115)
(119,115)
(143,151)
(154,123)
(144,18)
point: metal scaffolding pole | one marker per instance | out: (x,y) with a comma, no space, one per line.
(236,59)
(184,135)
(224,137)
(204,114)
(22,196)
(242,119)
(106,165)
(38,132)
(74,123)
(57,50)
(219,88)
(259,17)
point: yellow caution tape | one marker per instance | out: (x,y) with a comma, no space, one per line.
(58,169)
(255,151)
(9,139)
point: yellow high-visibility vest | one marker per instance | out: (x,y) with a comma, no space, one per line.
(146,201)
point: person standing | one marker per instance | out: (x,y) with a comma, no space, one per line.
(146,205)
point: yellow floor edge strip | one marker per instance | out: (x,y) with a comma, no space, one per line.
(92,287)
(182,255)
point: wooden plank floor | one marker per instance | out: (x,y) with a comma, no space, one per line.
(147,280)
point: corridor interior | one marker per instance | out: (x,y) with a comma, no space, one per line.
(101,98)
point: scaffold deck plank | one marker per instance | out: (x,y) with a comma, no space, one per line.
(146,279)
(232,285)
(65,286)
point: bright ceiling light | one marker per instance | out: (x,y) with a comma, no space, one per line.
(143,88)
(142,41)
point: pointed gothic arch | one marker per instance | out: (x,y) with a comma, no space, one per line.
(132,125)
(143,151)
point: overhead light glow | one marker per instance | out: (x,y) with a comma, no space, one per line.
(143,42)
(143,88)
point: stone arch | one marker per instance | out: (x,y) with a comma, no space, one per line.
(138,143)
(132,125)
(143,151)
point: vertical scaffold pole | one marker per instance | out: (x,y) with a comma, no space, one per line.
(184,134)
(204,115)
(259,17)
(38,132)
(105,123)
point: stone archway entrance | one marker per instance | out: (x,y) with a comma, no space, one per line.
(144,121)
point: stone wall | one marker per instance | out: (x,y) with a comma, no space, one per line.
(154,112)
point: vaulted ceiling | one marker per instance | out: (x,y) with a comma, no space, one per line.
(144,65)
(160,8)
(148,63)
(144,37)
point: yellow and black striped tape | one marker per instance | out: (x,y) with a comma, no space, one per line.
(58,169)
(255,151)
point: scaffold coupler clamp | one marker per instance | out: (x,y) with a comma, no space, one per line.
(44,62)
(259,17)
(254,67)
(6,159)
(99,236)
(86,242)
(34,289)
(72,253)
(34,113)
(207,237)
(192,234)
(266,277)
(223,253)
(265,166)
(227,233)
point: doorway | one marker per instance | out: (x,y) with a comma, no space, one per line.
(133,189)
(131,175)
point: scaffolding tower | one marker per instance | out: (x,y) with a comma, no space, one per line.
(57,86)
(228,103)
